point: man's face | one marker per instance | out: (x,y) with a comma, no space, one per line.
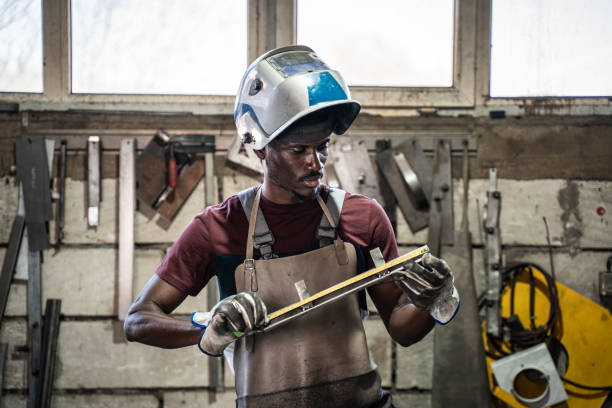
(297,167)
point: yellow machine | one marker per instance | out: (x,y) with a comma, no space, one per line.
(581,326)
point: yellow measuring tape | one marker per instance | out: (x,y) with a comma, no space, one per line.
(397,261)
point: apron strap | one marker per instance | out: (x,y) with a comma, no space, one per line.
(327,230)
(259,235)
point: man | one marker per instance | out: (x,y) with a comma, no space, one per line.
(291,230)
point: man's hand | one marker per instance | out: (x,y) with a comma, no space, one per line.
(229,320)
(430,286)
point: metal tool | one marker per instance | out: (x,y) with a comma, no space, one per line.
(186,148)
(441,222)
(353,167)
(493,256)
(61,201)
(33,173)
(93,181)
(391,269)
(127,198)
(460,369)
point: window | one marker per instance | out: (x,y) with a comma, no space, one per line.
(551,48)
(389,43)
(21,50)
(187,47)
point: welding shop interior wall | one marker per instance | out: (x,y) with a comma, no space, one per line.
(553,166)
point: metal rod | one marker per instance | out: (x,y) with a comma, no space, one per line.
(10,260)
(50,337)
(127,200)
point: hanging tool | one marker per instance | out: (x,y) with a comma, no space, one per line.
(93,181)
(167,172)
(441,223)
(460,369)
(33,173)
(188,148)
(61,200)
(392,269)
(353,167)
(189,145)
(492,256)
(127,200)
(605,285)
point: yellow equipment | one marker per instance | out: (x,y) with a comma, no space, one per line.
(582,326)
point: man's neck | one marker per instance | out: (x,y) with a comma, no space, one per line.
(280,195)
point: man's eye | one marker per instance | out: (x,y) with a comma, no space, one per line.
(298,149)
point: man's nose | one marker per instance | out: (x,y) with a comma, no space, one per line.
(315,160)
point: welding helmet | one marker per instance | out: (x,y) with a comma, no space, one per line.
(287,84)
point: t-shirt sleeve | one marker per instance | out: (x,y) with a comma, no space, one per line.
(187,264)
(383,236)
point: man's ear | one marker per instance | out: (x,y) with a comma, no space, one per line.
(260,153)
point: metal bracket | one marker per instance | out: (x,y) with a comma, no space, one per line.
(93,181)
(353,167)
(536,358)
(493,255)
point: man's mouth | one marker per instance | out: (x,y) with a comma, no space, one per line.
(311,180)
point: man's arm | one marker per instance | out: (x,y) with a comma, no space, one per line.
(406,323)
(148,321)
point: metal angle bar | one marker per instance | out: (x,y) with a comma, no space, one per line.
(49,347)
(93,181)
(10,260)
(34,326)
(416,219)
(127,200)
(342,289)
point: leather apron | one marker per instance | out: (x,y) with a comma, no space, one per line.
(320,359)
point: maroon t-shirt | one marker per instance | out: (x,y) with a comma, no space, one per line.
(214,242)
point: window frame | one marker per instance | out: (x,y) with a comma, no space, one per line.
(272,23)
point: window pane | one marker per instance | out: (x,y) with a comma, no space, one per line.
(21,50)
(386,43)
(158,46)
(551,48)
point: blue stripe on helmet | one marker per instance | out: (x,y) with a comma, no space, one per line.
(244,108)
(325,88)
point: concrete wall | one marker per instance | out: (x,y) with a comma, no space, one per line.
(93,371)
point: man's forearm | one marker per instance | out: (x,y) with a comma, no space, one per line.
(160,330)
(408,323)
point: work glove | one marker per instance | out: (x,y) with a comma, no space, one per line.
(229,320)
(429,284)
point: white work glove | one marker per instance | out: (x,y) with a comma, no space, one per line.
(430,286)
(229,320)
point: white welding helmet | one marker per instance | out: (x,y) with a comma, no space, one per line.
(284,85)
